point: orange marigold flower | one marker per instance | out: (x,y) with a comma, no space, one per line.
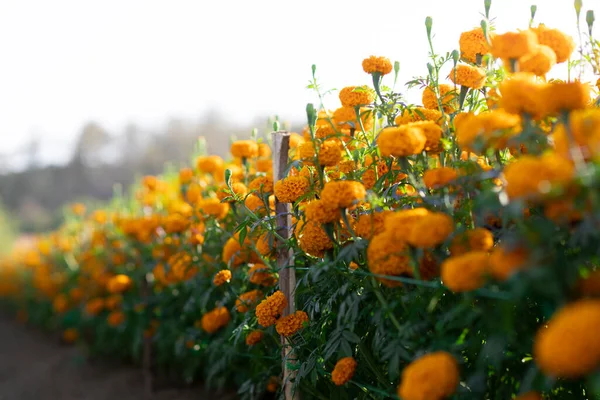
(330,153)
(255,337)
(539,62)
(264,165)
(215,319)
(478,239)
(290,189)
(118,284)
(232,252)
(419,114)
(273,384)
(468,76)
(343,194)
(210,164)
(562,97)
(368,225)
(244,149)
(387,256)
(561,43)
(343,370)
(269,310)
(569,346)
(399,224)
(492,128)
(436,177)
(465,272)
(321,211)
(473,43)
(248,300)
(238,191)
(585,131)
(345,118)
(260,274)
(531,175)
(521,94)
(254,203)
(264,150)
(504,262)
(529,396)
(513,45)
(377,64)
(434,376)
(185,175)
(261,184)
(70,335)
(448,98)
(60,304)
(401,141)
(113,302)
(431,230)
(352,96)
(78,209)
(115,318)
(222,277)
(94,306)
(312,238)
(290,324)
(212,207)
(432,132)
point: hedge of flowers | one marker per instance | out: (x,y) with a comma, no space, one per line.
(445,250)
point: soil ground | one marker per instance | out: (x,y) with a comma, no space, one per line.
(33,366)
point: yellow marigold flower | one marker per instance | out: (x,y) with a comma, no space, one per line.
(254,337)
(185,175)
(222,277)
(254,203)
(322,212)
(585,130)
(330,153)
(468,75)
(290,189)
(419,114)
(193,193)
(401,141)
(260,274)
(387,256)
(210,164)
(238,188)
(561,43)
(343,370)
(399,224)
(529,396)
(465,272)
(431,230)
(70,335)
(269,310)
(473,43)
(290,324)
(248,300)
(504,262)
(244,149)
(521,94)
(492,128)
(312,238)
(436,177)
(539,62)
(513,45)
(212,207)
(264,150)
(264,165)
(569,346)
(343,194)
(115,318)
(232,252)
(531,175)
(434,376)
(345,118)
(478,239)
(447,98)
(118,284)
(368,225)
(432,132)
(352,96)
(215,319)
(562,97)
(261,184)
(377,64)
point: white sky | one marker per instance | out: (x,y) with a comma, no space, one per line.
(66,62)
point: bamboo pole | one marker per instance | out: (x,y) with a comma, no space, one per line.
(285,256)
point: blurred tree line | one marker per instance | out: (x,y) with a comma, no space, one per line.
(34,196)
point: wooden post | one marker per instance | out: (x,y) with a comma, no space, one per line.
(285,256)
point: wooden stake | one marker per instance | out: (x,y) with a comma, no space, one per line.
(146,347)
(285,256)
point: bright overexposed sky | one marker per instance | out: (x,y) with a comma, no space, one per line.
(67,62)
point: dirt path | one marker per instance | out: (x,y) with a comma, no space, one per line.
(33,367)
